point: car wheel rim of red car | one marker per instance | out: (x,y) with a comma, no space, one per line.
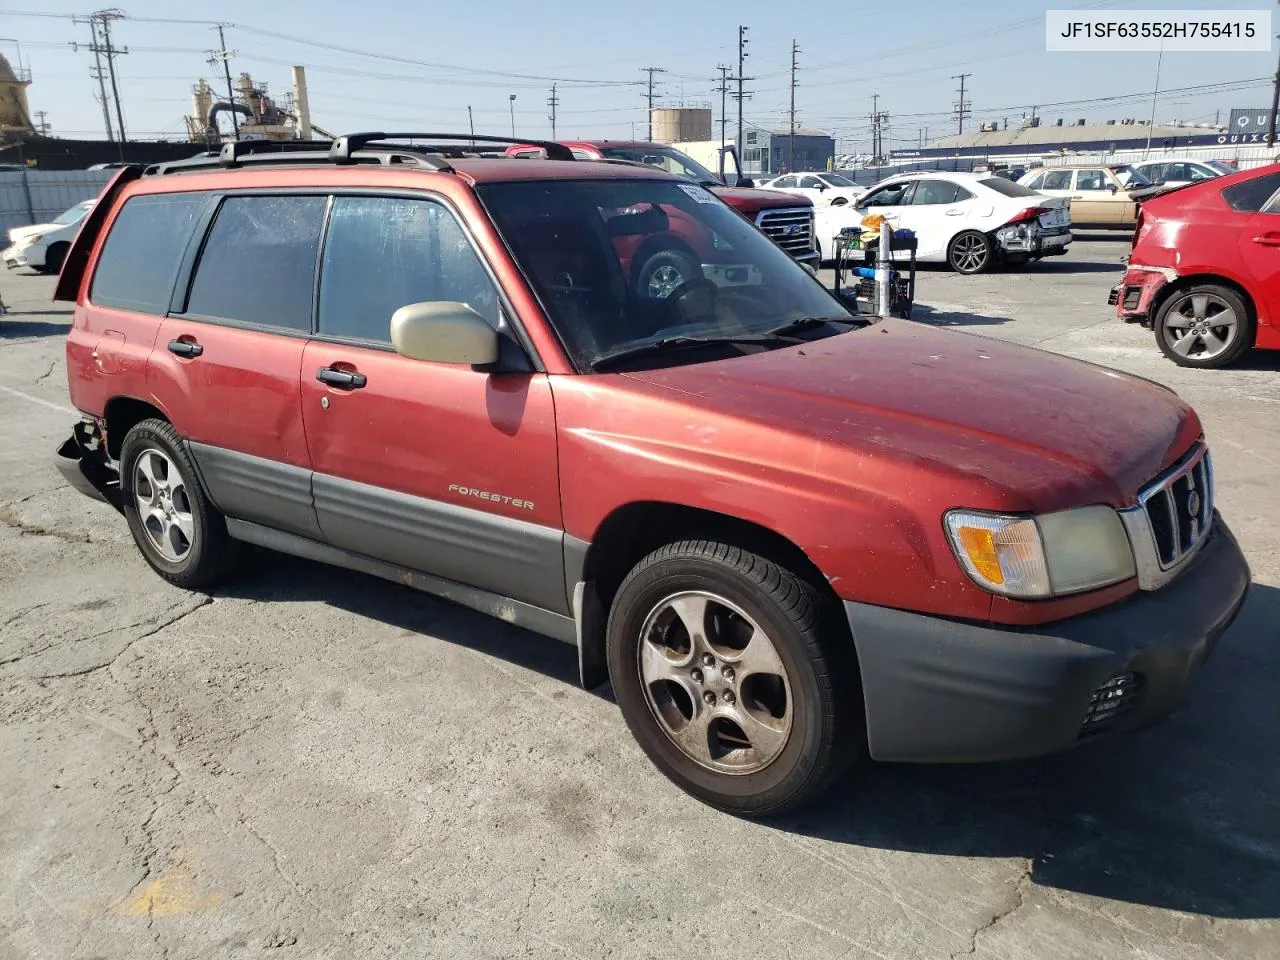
(1200,326)
(715,682)
(163,505)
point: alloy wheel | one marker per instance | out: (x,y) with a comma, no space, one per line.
(164,505)
(664,281)
(1201,326)
(969,253)
(715,683)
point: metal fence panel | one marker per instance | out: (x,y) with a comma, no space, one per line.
(37,196)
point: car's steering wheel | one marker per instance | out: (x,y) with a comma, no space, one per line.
(694,298)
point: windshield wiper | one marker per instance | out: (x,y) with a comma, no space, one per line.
(801,324)
(667,344)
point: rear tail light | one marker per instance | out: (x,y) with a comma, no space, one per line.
(1027,215)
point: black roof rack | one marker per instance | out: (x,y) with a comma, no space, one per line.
(342,148)
(231,152)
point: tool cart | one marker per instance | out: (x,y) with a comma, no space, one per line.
(858,266)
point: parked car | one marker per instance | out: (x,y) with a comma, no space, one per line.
(820,187)
(970,221)
(43,246)
(786,219)
(786,534)
(1204,272)
(1177,171)
(1100,195)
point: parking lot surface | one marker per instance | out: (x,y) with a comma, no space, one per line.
(317,762)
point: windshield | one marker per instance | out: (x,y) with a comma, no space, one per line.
(620,264)
(838,181)
(1130,177)
(74,215)
(664,158)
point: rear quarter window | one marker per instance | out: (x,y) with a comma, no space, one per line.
(1006,187)
(140,258)
(1249,196)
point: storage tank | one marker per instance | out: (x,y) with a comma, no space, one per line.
(15,117)
(680,124)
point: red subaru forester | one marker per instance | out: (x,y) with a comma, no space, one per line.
(786,533)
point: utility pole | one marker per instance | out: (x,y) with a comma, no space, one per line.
(962,108)
(225,56)
(875,128)
(105,17)
(791,148)
(42,125)
(1275,103)
(97,73)
(471,122)
(649,96)
(1155,93)
(511,102)
(741,79)
(723,90)
(553,101)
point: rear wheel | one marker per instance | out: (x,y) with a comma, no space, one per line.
(733,678)
(970,252)
(1207,325)
(179,532)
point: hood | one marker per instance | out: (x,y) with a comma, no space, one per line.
(1040,431)
(17,233)
(753,198)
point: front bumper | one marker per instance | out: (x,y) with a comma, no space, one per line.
(945,691)
(15,256)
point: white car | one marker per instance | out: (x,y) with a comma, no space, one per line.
(43,246)
(1176,171)
(970,221)
(820,187)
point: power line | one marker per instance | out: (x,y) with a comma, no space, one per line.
(649,95)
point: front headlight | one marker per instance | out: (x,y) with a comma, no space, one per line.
(1046,556)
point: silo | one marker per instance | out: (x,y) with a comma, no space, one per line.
(681,124)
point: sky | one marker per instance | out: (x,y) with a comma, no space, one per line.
(383,64)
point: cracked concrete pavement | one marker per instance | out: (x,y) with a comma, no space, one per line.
(325,765)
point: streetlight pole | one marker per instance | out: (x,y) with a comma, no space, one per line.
(511,100)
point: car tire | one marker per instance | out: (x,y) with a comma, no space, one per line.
(54,256)
(664,272)
(1187,333)
(970,252)
(179,532)
(758,708)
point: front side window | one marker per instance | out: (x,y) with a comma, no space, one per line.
(811,183)
(259,261)
(139,260)
(382,253)
(1091,180)
(838,181)
(890,195)
(624,265)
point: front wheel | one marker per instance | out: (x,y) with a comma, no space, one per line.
(970,252)
(53,258)
(1207,325)
(733,678)
(665,272)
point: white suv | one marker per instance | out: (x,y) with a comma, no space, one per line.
(43,246)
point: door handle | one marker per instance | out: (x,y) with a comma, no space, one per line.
(341,378)
(1077,198)
(1268,240)
(185,348)
(955,213)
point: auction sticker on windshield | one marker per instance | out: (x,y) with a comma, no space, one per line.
(698,194)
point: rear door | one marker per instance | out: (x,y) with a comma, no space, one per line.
(1256,204)
(226,364)
(939,209)
(435,467)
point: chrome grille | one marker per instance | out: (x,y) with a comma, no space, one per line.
(1172,519)
(1111,701)
(791,229)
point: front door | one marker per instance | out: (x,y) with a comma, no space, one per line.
(434,467)
(1094,199)
(226,362)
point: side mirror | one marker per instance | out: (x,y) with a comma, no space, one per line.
(443,331)
(822,187)
(746,182)
(1114,188)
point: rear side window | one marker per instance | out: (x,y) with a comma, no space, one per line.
(1249,196)
(382,253)
(140,258)
(1006,187)
(259,262)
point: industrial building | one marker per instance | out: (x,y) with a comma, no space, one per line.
(763,152)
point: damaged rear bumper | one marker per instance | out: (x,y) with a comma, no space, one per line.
(83,461)
(1135,296)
